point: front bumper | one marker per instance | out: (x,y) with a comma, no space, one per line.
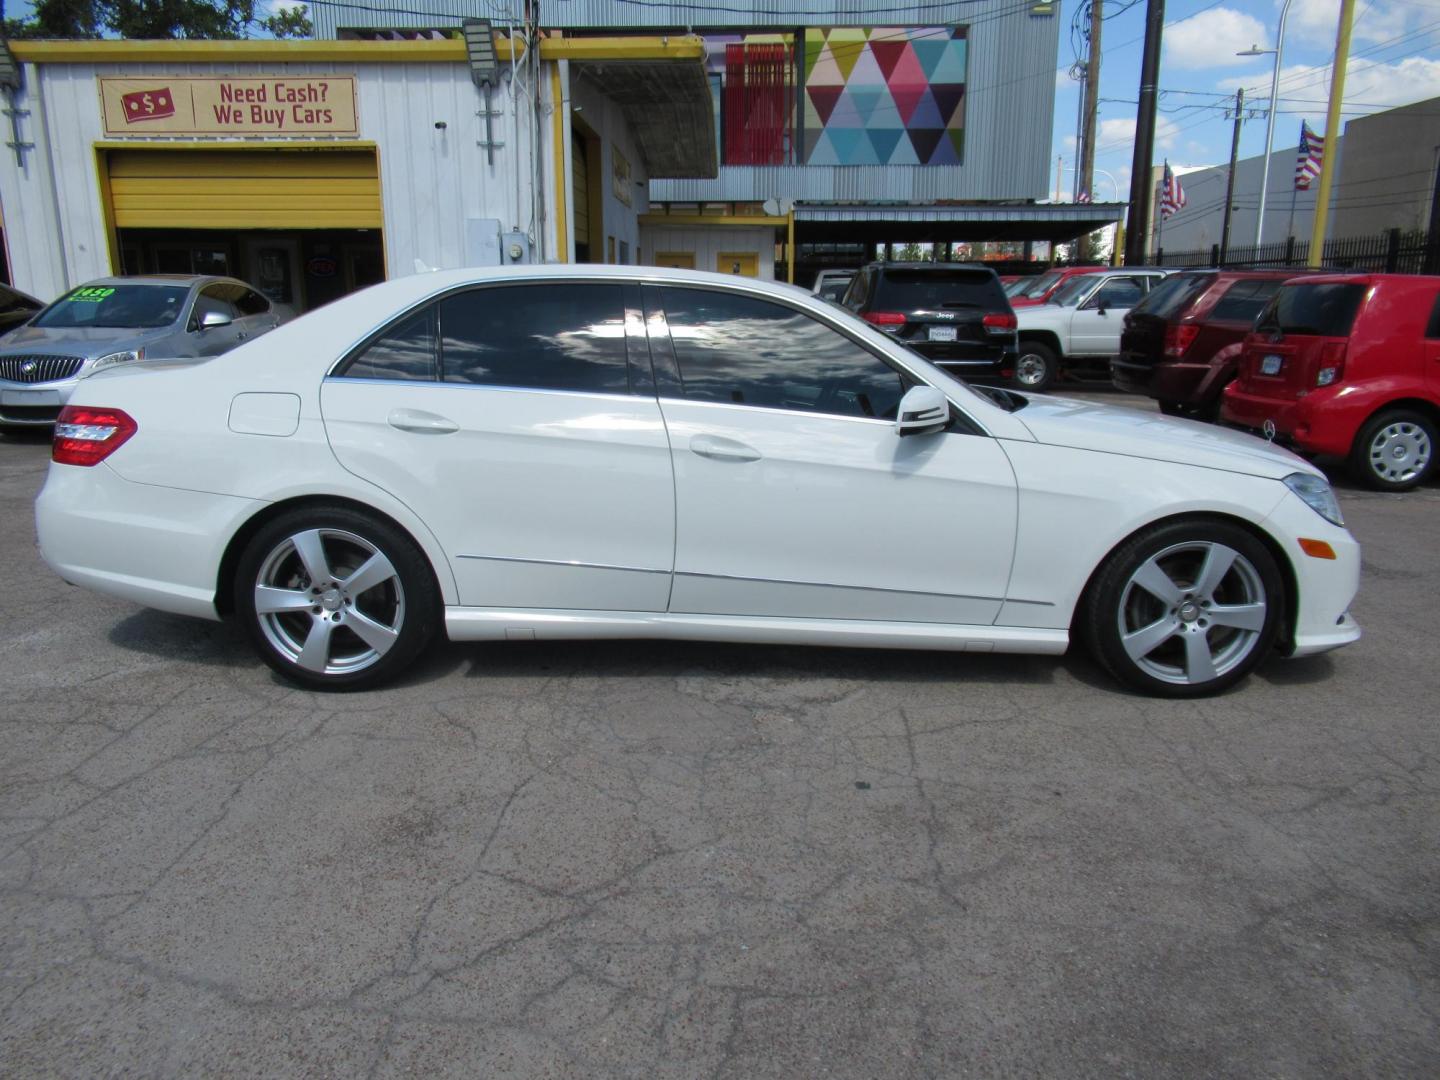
(1325,588)
(33,404)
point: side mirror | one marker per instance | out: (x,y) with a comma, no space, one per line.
(212,319)
(924,410)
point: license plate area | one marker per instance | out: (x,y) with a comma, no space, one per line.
(1271,365)
(29,397)
(942,333)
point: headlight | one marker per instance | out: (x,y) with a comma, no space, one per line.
(127,356)
(1315,492)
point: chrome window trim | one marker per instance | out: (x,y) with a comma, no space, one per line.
(437,385)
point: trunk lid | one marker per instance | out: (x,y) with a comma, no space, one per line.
(1304,328)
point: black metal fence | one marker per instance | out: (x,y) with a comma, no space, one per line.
(1392,252)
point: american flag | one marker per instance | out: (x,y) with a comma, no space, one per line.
(1172,195)
(1312,153)
(1083,197)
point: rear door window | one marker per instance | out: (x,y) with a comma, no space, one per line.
(405,352)
(1245,299)
(1313,310)
(561,336)
(939,290)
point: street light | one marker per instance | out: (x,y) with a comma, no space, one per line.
(1279,52)
(1115,186)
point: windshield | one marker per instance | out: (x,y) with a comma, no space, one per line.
(137,307)
(1019,286)
(1313,310)
(1173,295)
(1039,286)
(1069,293)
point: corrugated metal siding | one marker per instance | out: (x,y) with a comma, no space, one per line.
(1066,212)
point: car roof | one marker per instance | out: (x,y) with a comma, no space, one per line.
(162,279)
(881,264)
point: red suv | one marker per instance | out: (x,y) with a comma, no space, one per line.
(1182,343)
(1348,366)
(1048,283)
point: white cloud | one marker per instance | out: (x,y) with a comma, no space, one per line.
(1117,134)
(1212,38)
(1316,21)
(1304,89)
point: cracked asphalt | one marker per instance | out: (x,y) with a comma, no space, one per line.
(667,860)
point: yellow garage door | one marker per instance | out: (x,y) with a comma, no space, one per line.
(244,189)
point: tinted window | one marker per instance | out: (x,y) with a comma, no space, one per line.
(1070,293)
(546,337)
(405,351)
(1245,299)
(1317,310)
(834,288)
(1433,330)
(859,290)
(1118,293)
(747,351)
(1039,286)
(252,303)
(117,305)
(931,290)
(1172,295)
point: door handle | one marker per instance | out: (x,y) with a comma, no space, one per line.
(421,423)
(722,449)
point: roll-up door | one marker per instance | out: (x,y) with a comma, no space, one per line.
(244,189)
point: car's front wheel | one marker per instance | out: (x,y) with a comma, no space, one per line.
(1185,608)
(336,599)
(1395,451)
(1036,366)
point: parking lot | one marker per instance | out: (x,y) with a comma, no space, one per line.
(682,860)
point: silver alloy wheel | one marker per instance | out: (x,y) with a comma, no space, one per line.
(1192,612)
(1399,452)
(329,601)
(1030,370)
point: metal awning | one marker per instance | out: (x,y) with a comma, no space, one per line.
(669,109)
(1056,222)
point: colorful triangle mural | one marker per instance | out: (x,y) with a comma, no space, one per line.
(824,99)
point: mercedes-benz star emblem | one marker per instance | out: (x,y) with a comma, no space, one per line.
(1269,429)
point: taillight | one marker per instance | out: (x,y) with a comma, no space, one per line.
(86,435)
(1000,324)
(1332,363)
(889,321)
(1179,337)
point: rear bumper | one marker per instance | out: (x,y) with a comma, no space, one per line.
(156,546)
(1294,418)
(32,405)
(1188,383)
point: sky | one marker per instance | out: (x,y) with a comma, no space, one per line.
(1394,60)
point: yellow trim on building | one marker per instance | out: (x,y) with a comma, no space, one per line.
(420,51)
(557,130)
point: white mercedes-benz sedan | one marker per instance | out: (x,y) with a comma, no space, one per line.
(553,452)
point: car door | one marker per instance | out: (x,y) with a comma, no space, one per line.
(512,421)
(794,495)
(1100,318)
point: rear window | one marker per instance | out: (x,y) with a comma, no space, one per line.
(1244,300)
(1313,310)
(912,290)
(1173,295)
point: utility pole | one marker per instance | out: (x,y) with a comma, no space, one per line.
(1316,255)
(1230,183)
(1140,179)
(1086,178)
(1059,174)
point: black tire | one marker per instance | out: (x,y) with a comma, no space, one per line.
(1172,408)
(396,606)
(1164,632)
(1394,451)
(1036,366)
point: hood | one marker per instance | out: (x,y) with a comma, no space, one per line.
(1041,314)
(80,340)
(1115,429)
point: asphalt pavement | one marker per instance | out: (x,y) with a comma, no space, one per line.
(672,860)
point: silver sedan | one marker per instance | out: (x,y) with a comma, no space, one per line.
(119,320)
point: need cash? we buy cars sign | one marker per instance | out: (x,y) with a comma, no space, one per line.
(224,105)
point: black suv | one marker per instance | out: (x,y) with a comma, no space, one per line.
(955,315)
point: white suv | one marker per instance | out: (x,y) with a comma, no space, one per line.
(1082,321)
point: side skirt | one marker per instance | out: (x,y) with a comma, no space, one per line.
(523,624)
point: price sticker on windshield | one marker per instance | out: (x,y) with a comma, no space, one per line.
(91,294)
(1271,365)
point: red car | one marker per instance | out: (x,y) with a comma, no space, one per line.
(1048,283)
(1182,343)
(1348,366)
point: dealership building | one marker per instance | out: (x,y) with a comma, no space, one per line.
(313,168)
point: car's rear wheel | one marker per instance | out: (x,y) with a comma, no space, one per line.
(1184,609)
(1395,450)
(336,599)
(1036,366)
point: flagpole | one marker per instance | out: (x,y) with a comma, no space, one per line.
(1160,231)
